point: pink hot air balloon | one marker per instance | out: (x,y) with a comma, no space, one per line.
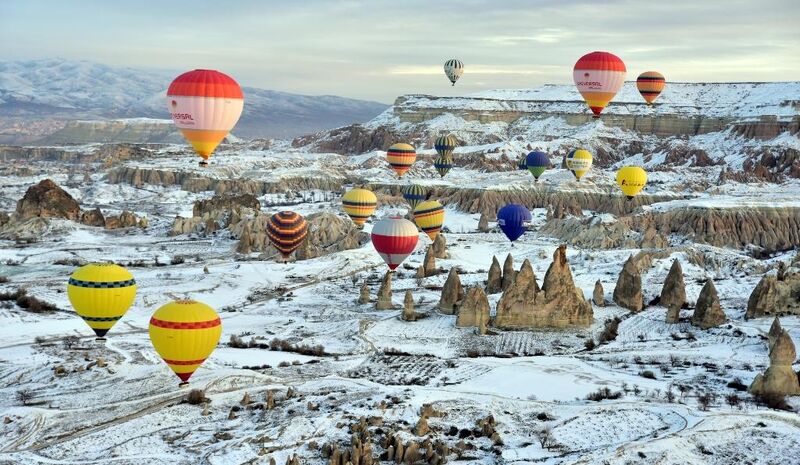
(394,238)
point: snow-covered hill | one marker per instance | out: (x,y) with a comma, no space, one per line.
(62,89)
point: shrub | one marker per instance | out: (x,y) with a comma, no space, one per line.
(733,400)
(70,341)
(589,344)
(610,328)
(196,397)
(177,260)
(602,394)
(705,400)
(236,342)
(737,384)
(773,401)
(647,374)
(24,396)
(3,279)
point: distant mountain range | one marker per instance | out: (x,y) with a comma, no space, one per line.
(39,98)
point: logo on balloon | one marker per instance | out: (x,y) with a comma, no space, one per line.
(174,104)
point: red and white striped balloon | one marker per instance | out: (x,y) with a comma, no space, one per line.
(394,238)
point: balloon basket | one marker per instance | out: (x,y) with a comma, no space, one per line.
(183,385)
(100,340)
(202,164)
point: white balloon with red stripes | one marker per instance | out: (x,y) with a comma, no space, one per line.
(394,238)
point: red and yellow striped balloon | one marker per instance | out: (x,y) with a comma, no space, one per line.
(287,230)
(650,85)
(205,105)
(429,216)
(598,77)
(401,156)
(185,333)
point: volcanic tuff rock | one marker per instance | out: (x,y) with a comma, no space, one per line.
(558,304)
(673,314)
(452,293)
(599,295)
(474,310)
(674,290)
(707,311)
(775,297)
(483,223)
(508,272)
(384,301)
(220,211)
(408,307)
(47,200)
(440,246)
(628,292)
(429,263)
(495,281)
(774,331)
(363,295)
(93,218)
(779,378)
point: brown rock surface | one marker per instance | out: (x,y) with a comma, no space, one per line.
(452,293)
(599,295)
(474,310)
(674,290)
(673,314)
(774,331)
(47,200)
(707,312)
(495,281)
(772,296)
(408,307)
(628,292)
(440,246)
(384,301)
(363,295)
(429,263)
(508,272)
(779,378)
(483,223)
(93,218)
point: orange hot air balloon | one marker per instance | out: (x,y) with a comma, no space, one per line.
(205,105)
(598,77)
(650,85)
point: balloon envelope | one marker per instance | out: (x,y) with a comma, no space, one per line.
(445,145)
(453,69)
(101,294)
(394,239)
(443,164)
(579,161)
(359,204)
(205,105)
(429,216)
(414,194)
(631,180)
(401,156)
(287,230)
(537,162)
(513,220)
(650,85)
(185,333)
(598,77)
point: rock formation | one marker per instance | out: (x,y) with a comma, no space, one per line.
(440,246)
(707,311)
(384,301)
(47,200)
(483,223)
(628,292)
(673,314)
(775,297)
(599,295)
(429,264)
(674,290)
(408,307)
(93,218)
(774,331)
(452,293)
(779,379)
(474,310)
(363,295)
(508,272)
(558,304)
(495,281)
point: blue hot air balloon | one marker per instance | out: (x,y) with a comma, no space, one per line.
(537,163)
(513,219)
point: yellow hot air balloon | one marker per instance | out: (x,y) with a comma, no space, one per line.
(359,204)
(184,333)
(429,216)
(101,293)
(401,156)
(631,179)
(579,162)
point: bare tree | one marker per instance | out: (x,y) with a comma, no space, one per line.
(70,341)
(24,396)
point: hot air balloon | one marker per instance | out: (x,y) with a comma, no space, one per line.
(513,220)
(394,239)
(443,164)
(579,161)
(453,69)
(401,156)
(650,85)
(184,333)
(445,145)
(101,293)
(631,180)
(359,204)
(537,162)
(287,230)
(429,216)
(598,77)
(414,194)
(522,164)
(205,105)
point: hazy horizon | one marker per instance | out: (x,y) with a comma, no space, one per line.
(379,50)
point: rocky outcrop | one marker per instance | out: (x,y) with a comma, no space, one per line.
(483,223)
(495,282)
(474,310)
(509,274)
(125,219)
(774,331)
(384,301)
(599,295)
(440,246)
(452,293)
(628,292)
(673,314)
(219,212)
(47,200)
(363,294)
(429,263)
(408,307)
(707,312)
(559,303)
(779,379)
(93,218)
(773,296)
(674,290)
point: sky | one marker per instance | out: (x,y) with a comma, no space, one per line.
(378,50)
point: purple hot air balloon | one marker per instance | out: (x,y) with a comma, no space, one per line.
(513,219)
(537,163)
